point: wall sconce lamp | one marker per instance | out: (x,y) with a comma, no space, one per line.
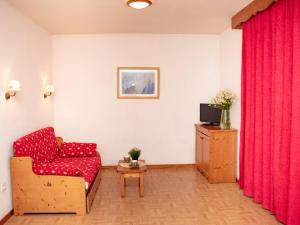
(49,90)
(14,86)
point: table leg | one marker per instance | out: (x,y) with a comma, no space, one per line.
(141,185)
(122,185)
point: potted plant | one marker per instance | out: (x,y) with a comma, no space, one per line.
(135,153)
(224,100)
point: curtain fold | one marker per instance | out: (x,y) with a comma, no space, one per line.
(270,128)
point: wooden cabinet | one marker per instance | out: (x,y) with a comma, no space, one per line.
(216,153)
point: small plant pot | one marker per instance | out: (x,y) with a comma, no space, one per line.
(134,163)
(135,153)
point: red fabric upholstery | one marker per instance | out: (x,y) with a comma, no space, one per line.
(86,167)
(42,148)
(39,145)
(73,149)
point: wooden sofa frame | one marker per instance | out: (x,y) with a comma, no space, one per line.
(48,193)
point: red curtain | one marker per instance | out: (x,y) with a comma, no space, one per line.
(270,129)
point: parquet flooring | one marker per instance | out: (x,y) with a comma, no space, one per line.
(172,197)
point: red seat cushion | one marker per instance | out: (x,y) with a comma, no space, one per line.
(86,167)
(39,145)
(74,149)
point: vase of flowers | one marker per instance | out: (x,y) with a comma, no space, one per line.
(224,100)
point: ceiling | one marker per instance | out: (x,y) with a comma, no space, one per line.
(114,16)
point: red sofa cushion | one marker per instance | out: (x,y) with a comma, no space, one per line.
(39,145)
(74,149)
(86,167)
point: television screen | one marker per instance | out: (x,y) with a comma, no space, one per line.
(209,114)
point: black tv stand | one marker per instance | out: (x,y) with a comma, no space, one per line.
(210,124)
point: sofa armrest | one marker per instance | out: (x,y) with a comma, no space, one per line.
(21,166)
(45,193)
(75,149)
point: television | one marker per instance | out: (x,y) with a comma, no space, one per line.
(209,114)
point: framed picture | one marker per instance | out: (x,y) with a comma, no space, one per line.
(138,82)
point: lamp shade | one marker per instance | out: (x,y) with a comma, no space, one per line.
(14,85)
(139,4)
(50,88)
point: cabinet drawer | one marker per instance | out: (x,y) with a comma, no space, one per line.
(203,136)
(203,130)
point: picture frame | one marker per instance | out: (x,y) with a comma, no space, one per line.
(138,82)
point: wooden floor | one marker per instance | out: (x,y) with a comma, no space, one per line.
(172,197)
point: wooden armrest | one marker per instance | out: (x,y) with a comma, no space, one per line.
(59,141)
(21,166)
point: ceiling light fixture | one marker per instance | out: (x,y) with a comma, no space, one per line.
(139,4)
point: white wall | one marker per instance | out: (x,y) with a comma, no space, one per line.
(193,68)
(87,109)
(230,70)
(24,55)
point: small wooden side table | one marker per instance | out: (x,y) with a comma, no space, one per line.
(136,172)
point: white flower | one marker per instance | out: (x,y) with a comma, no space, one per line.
(224,99)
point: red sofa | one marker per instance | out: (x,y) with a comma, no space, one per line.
(54,167)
